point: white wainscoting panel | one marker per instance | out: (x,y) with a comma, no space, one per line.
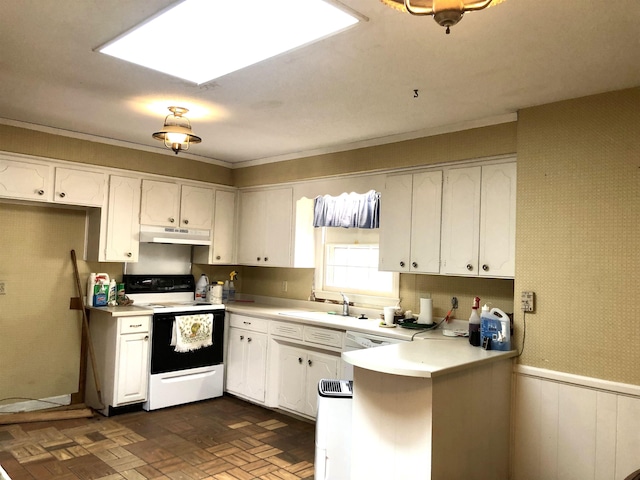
(567,427)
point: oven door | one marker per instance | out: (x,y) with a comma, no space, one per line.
(164,358)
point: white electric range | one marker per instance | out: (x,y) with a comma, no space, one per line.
(178,377)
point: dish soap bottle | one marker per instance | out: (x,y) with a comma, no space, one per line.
(474,323)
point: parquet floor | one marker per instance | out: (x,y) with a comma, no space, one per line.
(223,439)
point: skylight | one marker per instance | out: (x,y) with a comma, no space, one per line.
(199,40)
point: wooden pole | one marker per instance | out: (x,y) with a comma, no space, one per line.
(85,324)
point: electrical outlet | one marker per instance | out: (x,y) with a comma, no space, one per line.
(454,302)
(3,287)
(284,286)
(528,301)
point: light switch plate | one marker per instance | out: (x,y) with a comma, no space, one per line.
(3,287)
(528,301)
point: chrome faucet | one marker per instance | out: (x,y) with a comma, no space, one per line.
(345,305)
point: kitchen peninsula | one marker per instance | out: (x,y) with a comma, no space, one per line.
(431,410)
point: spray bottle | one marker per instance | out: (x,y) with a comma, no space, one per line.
(474,323)
(232,287)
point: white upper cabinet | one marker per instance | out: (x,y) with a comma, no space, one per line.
(478,233)
(79,187)
(221,251)
(196,207)
(410,216)
(168,204)
(26,180)
(265,223)
(123,226)
(498,221)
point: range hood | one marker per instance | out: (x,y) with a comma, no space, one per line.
(182,236)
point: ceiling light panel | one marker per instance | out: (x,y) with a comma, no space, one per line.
(199,40)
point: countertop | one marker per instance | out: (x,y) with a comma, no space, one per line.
(321,318)
(424,359)
(123,311)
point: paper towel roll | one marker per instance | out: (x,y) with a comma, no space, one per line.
(426,311)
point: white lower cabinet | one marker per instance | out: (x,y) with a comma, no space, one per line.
(246,365)
(121,346)
(300,370)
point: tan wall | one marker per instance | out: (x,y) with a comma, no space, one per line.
(32,142)
(451,147)
(39,334)
(578,231)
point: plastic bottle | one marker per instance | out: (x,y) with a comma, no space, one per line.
(474,324)
(111,296)
(232,287)
(91,284)
(201,288)
(495,330)
(225,292)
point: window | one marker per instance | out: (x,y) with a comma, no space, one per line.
(347,261)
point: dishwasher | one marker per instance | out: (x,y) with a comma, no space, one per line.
(333,421)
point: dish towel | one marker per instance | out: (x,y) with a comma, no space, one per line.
(191,332)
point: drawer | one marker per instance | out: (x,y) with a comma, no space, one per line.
(133,324)
(286,329)
(249,323)
(323,336)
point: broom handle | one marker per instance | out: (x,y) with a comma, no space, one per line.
(85,322)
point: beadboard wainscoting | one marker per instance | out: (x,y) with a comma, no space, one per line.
(571,427)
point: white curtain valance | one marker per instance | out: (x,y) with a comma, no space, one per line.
(348,210)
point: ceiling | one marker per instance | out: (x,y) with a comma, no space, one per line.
(350,90)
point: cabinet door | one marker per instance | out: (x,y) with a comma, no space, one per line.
(278,231)
(461,221)
(160,203)
(395,224)
(133,369)
(79,187)
(123,228)
(498,221)
(196,207)
(426,219)
(252,225)
(224,227)
(292,389)
(235,360)
(256,366)
(28,181)
(319,366)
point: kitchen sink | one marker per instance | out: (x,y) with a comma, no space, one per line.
(315,315)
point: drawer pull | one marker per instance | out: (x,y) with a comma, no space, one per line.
(137,325)
(309,362)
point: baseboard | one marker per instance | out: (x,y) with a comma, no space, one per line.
(31,405)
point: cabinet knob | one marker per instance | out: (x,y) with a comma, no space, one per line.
(246,323)
(402,264)
(258,258)
(186,222)
(62,194)
(485,267)
(241,337)
(218,257)
(40,192)
(469,267)
(414,264)
(299,360)
(171,219)
(249,339)
(146,338)
(309,362)
(129,254)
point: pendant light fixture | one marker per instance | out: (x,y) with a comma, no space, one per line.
(446,12)
(176,133)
